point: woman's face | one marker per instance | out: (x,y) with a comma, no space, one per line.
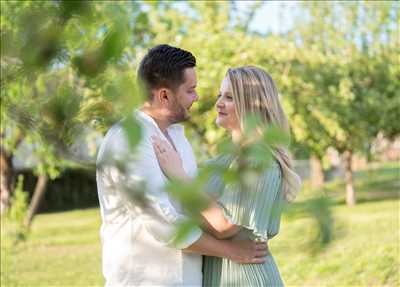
(227,117)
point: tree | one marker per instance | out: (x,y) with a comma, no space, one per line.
(342,83)
(56,83)
(70,65)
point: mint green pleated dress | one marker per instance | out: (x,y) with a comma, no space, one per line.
(258,211)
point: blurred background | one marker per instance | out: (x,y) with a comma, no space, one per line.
(68,72)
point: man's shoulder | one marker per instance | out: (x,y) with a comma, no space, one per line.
(113,142)
(115,135)
(121,130)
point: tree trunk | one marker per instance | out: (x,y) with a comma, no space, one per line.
(350,195)
(7,173)
(38,194)
(317,173)
(6,180)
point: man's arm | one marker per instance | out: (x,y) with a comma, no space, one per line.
(241,251)
(137,179)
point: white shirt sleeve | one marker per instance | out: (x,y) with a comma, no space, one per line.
(140,180)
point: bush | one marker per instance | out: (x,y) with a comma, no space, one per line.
(18,209)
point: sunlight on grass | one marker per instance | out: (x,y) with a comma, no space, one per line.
(63,248)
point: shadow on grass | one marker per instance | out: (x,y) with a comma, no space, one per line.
(379,185)
(372,197)
(372,185)
(385,171)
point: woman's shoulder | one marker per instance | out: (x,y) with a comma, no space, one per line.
(227,160)
(223,160)
(273,170)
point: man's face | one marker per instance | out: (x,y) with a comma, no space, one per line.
(184,96)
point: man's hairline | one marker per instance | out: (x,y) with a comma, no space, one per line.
(173,89)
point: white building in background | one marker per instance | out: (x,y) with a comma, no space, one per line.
(84,149)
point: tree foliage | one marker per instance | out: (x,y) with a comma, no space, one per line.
(68,69)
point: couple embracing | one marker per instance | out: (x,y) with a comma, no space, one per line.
(138,246)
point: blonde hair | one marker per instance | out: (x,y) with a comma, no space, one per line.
(254,92)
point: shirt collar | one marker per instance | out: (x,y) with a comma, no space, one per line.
(149,120)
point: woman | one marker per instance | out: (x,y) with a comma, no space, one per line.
(255,215)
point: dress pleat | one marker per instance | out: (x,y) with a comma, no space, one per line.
(258,211)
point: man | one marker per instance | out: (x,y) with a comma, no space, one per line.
(138,239)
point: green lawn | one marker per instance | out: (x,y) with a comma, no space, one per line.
(63,249)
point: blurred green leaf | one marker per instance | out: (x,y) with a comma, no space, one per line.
(319,209)
(275,136)
(226,146)
(113,45)
(189,195)
(71,8)
(41,47)
(184,229)
(91,63)
(231,176)
(133,131)
(59,113)
(259,154)
(251,123)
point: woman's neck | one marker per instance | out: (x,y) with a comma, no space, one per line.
(236,136)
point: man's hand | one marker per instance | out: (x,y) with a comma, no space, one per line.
(247,251)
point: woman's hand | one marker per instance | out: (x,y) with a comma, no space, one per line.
(169,160)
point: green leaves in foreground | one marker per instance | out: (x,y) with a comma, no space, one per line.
(190,195)
(95,61)
(319,210)
(59,116)
(184,229)
(244,164)
(132,130)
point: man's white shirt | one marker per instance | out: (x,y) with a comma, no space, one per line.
(138,245)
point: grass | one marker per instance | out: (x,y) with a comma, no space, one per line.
(377,182)
(365,251)
(63,248)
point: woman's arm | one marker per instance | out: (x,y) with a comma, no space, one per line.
(214,220)
(216,223)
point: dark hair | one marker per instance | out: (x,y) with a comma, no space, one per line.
(163,66)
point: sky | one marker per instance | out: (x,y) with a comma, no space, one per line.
(274,16)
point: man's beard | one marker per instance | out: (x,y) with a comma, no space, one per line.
(180,114)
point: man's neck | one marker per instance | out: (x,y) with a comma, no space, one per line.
(158,117)
(161,122)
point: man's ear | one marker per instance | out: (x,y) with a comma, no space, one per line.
(162,95)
